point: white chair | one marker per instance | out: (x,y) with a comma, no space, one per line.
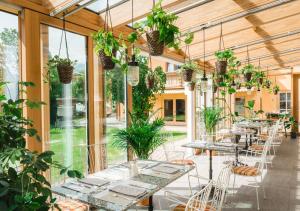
(253,171)
(197,202)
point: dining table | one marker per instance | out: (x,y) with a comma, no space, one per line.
(122,186)
(200,144)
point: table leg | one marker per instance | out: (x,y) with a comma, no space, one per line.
(150,208)
(210,165)
(236,150)
(246,145)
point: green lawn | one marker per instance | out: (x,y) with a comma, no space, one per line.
(80,151)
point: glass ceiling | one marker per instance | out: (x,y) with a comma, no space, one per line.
(99,6)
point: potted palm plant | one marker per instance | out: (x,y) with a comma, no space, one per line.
(106,45)
(222,60)
(160,30)
(142,136)
(187,70)
(276,89)
(247,72)
(211,116)
(64,67)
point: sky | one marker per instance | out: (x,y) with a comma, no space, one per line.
(11,21)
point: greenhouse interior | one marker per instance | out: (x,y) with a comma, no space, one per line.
(184,105)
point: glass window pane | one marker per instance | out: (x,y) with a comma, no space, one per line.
(68,103)
(288,96)
(180,110)
(115,113)
(282,105)
(288,105)
(168,110)
(9,57)
(282,97)
(100,5)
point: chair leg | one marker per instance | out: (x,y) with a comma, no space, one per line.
(263,187)
(257,199)
(190,184)
(233,185)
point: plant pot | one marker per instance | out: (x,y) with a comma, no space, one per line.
(275,92)
(248,77)
(238,86)
(187,75)
(215,88)
(156,47)
(65,73)
(219,79)
(260,81)
(293,135)
(221,67)
(191,86)
(107,61)
(150,82)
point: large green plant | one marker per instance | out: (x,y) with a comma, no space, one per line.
(211,116)
(142,96)
(23,185)
(224,55)
(189,65)
(142,136)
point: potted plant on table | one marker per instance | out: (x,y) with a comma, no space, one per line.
(276,89)
(222,60)
(141,136)
(187,70)
(64,67)
(106,45)
(211,116)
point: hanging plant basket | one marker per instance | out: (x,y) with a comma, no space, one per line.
(191,86)
(150,82)
(65,73)
(187,75)
(239,86)
(221,67)
(260,81)
(219,79)
(215,88)
(156,47)
(107,61)
(248,77)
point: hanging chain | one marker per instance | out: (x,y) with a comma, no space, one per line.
(63,34)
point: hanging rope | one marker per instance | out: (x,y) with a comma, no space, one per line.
(221,40)
(204,71)
(107,18)
(63,34)
(132,24)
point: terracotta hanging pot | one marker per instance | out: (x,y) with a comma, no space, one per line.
(248,77)
(150,82)
(187,75)
(107,61)
(260,81)
(65,73)
(221,67)
(192,86)
(156,47)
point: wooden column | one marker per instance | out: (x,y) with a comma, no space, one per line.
(31,71)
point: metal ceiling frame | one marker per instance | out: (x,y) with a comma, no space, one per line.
(64,7)
(255,42)
(236,16)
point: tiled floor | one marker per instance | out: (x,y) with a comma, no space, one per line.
(282,183)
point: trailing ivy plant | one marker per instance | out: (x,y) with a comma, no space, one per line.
(224,55)
(106,42)
(23,185)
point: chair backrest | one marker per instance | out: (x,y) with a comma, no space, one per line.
(198,202)
(220,187)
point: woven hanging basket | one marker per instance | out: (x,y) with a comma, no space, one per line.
(187,75)
(156,47)
(65,73)
(260,80)
(248,77)
(192,86)
(150,82)
(221,67)
(107,61)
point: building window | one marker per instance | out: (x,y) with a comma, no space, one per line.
(9,57)
(285,102)
(172,67)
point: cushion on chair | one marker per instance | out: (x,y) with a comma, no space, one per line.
(256,147)
(71,205)
(245,170)
(181,207)
(183,162)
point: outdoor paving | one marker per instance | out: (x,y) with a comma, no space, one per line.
(282,183)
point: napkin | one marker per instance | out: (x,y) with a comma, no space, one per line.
(128,190)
